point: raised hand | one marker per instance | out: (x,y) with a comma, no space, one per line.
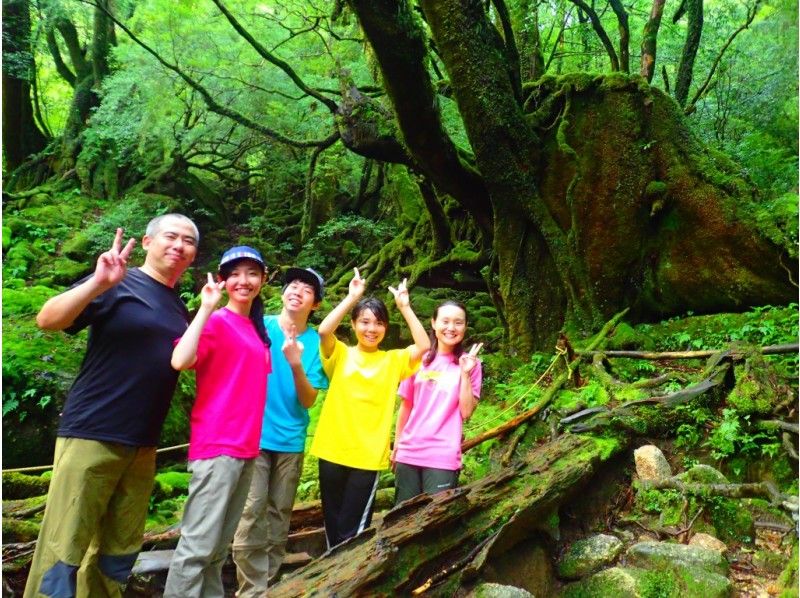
(468,360)
(113,264)
(357,285)
(211,293)
(292,348)
(400,293)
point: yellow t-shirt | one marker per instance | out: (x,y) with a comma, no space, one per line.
(356,420)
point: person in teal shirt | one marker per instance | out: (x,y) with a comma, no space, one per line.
(259,545)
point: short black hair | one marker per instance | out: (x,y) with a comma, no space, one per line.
(375,305)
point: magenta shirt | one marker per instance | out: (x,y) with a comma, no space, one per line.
(432,434)
(232,367)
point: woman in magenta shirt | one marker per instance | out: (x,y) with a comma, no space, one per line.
(229,350)
(436,402)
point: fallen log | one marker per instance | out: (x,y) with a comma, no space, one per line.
(441,543)
(768,350)
(427,534)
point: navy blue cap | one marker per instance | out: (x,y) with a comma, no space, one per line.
(241,252)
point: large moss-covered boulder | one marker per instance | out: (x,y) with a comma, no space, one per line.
(666,555)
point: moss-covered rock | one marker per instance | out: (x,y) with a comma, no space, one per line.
(170,484)
(755,391)
(588,555)
(617,581)
(702,474)
(77,247)
(666,555)
(788,579)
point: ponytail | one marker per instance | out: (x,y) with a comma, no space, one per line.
(257,318)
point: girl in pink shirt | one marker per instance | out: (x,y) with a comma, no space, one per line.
(436,402)
(229,350)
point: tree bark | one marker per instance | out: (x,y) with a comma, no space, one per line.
(21,135)
(586,219)
(650,39)
(683,80)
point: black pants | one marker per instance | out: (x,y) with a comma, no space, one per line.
(410,480)
(348,495)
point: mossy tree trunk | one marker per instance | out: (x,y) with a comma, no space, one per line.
(591,191)
(21,135)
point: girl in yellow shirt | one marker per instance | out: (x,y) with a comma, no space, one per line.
(352,437)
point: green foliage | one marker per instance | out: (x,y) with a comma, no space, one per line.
(343,240)
(731,519)
(734,435)
(777,219)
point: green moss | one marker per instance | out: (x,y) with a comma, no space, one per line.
(658,584)
(20,485)
(19,530)
(77,247)
(788,579)
(753,393)
(67,271)
(655,189)
(732,521)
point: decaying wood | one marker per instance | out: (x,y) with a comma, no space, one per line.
(442,542)
(768,350)
(424,536)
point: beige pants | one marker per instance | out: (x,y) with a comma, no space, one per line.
(93,523)
(217,492)
(259,545)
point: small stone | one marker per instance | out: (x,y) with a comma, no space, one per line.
(496,590)
(651,464)
(708,541)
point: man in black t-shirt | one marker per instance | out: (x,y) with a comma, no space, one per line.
(105,451)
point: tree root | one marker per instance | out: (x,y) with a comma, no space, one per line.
(766,490)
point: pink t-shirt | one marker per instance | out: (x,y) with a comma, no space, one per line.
(232,367)
(432,434)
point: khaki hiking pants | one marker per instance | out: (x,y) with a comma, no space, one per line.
(94,519)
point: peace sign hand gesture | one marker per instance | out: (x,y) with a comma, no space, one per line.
(467,361)
(292,348)
(357,285)
(211,293)
(400,293)
(113,264)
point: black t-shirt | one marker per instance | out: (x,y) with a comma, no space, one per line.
(125,384)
